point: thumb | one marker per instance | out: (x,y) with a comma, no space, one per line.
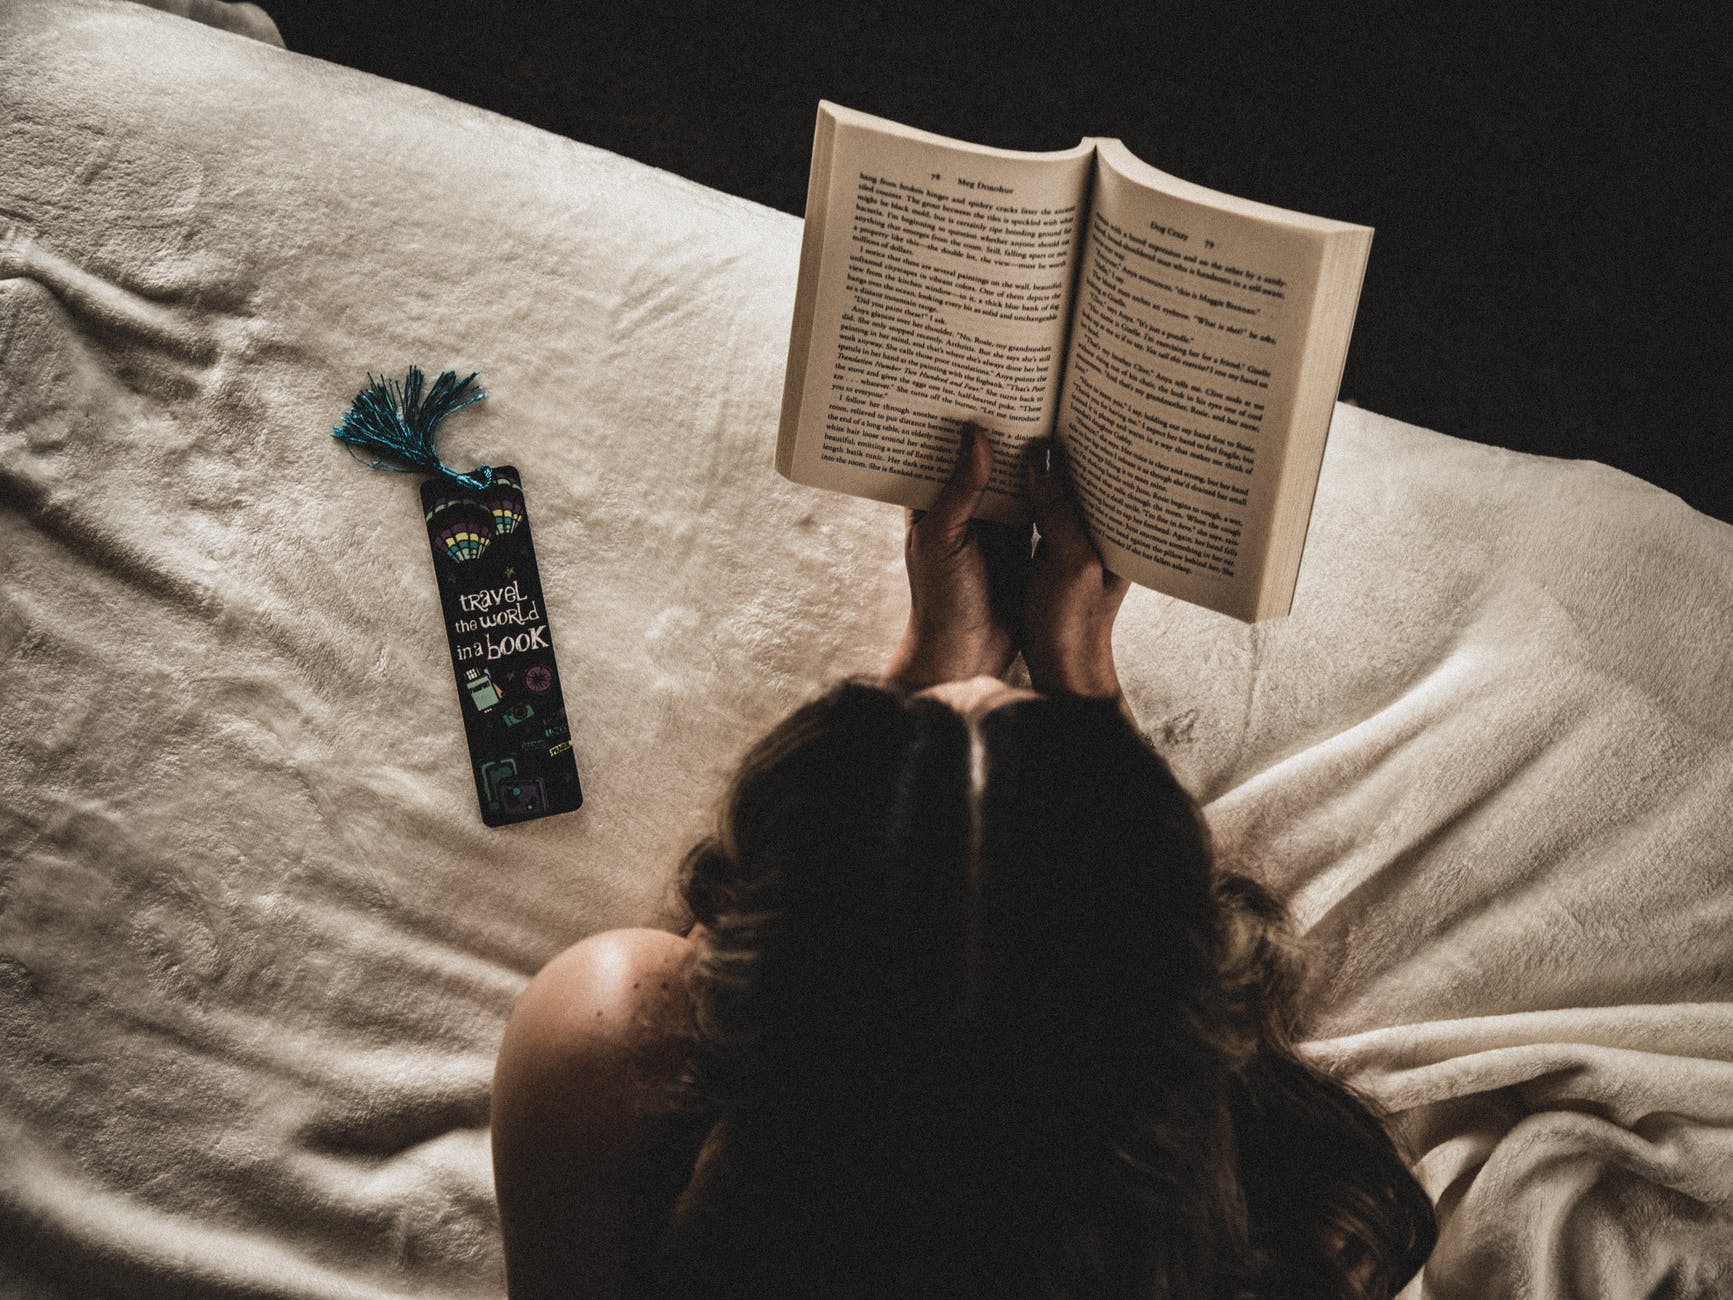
(961,496)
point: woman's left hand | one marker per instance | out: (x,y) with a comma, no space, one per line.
(965,580)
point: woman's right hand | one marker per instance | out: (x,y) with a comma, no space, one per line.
(1071,599)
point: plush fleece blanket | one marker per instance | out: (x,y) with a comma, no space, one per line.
(256,946)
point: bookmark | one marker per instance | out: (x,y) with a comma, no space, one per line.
(502,653)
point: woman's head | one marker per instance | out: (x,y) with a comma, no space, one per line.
(971,986)
(892,877)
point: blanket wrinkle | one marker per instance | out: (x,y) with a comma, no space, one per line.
(417,939)
(1361,747)
(103,547)
(92,1243)
(345,1066)
(240,17)
(1361,884)
(657,299)
(1252,639)
(385,1127)
(45,148)
(117,314)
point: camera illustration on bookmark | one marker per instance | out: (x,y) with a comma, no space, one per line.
(502,651)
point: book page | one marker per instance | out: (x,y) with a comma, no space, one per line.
(943,295)
(1185,359)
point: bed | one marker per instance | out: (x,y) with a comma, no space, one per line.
(256,946)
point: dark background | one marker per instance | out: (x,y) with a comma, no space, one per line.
(1551,266)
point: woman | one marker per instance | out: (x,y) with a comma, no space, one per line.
(966,1009)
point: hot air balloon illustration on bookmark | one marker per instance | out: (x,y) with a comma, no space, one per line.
(490,590)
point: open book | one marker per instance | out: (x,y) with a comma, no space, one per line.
(1183,346)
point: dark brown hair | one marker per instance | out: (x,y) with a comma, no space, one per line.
(1010,1038)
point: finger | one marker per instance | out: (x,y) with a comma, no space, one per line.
(1007,549)
(1056,513)
(1010,542)
(962,493)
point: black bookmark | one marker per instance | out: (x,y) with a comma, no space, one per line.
(508,685)
(502,651)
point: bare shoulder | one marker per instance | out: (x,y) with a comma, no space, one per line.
(601,1005)
(616,979)
(593,1039)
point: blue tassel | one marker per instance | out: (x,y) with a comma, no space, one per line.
(397,421)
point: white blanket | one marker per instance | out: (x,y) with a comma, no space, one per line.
(256,947)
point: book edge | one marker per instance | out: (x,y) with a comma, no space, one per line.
(1282,571)
(806,289)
